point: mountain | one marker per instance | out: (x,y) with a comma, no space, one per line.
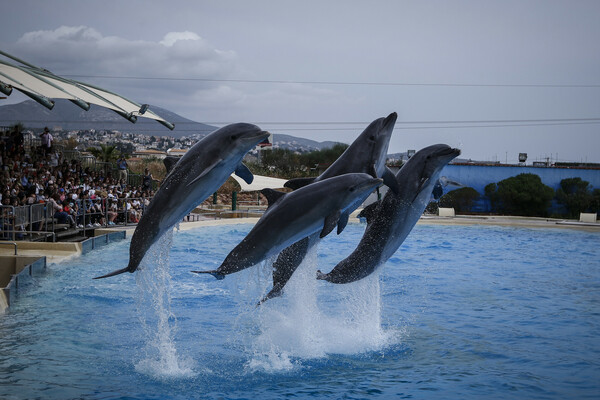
(301,144)
(67,116)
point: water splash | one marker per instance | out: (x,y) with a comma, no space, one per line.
(307,324)
(154,309)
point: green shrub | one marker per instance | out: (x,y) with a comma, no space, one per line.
(460,199)
(524,194)
(577,196)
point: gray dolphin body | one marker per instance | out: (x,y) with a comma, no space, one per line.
(198,174)
(390,221)
(318,207)
(368,151)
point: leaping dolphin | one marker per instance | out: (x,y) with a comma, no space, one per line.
(390,221)
(198,174)
(368,151)
(318,207)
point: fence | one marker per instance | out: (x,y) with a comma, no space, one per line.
(40,222)
(26,222)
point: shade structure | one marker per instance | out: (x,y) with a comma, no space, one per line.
(42,86)
(260,182)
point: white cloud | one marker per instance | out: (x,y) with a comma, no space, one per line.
(83,50)
(172,37)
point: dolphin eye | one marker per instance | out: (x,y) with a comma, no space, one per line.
(234,137)
(372,137)
(351,189)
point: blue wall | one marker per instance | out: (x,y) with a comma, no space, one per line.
(479,176)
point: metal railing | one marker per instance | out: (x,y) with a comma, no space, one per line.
(18,222)
(11,243)
(40,222)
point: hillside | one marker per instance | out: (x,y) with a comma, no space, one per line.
(67,116)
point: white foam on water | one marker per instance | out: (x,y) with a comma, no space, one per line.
(304,324)
(160,358)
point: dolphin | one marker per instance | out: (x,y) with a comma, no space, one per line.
(194,177)
(318,207)
(390,220)
(367,152)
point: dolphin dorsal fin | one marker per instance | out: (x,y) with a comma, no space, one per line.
(330,222)
(369,212)
(297,183)
(272,195)
(243,172)
(170,162)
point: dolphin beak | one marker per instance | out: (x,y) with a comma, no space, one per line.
(390,120)
(262,135)
(370,184)
(449,153)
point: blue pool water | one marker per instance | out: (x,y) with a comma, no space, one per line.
(458,312)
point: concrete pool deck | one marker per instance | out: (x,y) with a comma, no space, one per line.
(60,251)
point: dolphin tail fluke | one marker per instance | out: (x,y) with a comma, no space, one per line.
(272,294)
(214,273)
(321,276)
(117,272)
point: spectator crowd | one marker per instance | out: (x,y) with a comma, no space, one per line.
(73,194)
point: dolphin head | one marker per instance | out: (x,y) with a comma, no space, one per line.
(427,164)
(371,146)
(357,188)
(379,134)
(240,136)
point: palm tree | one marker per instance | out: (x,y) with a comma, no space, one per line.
(105,153)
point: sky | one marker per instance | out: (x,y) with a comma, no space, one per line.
(493,78)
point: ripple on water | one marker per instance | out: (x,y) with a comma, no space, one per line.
(457,312)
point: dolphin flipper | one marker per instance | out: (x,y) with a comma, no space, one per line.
(297,183)
(214,273)
(343,221)
(243,172)
(330,222)
(389,179)
(205,171)
(117,272)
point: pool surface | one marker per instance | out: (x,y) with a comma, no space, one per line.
(458,312)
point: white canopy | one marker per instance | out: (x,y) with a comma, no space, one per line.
(42,86)
(260,182)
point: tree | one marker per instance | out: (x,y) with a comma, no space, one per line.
(460,199)
(291,164)
(105,153)
(524,194)
(576,195)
